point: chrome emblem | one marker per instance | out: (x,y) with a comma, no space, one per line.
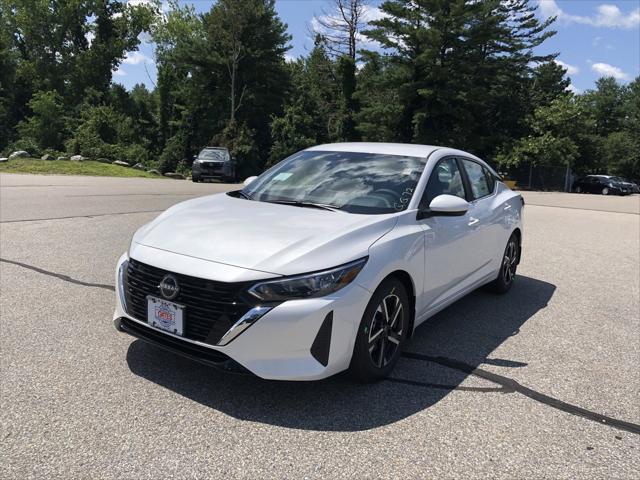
(169,287)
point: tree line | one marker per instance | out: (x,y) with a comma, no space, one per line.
(458,73)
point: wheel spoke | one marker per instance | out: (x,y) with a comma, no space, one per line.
(372,338)
(396,313)
(383,344)
(394,338)
(386,312)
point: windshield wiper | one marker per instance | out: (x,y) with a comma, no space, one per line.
(244,195)
(296,203)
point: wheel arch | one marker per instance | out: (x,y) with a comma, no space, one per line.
(405,278)
(518,233)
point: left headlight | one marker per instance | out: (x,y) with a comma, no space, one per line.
(311,285)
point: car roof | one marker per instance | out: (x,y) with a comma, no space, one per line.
(407,149)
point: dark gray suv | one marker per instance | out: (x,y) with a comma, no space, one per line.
(213,162)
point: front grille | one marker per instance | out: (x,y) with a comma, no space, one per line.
(213,165)
(211,307)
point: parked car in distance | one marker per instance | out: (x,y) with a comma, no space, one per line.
(631,186)
(326,262)
(211,163)
(602,184)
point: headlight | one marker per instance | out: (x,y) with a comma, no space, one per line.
(611,185)
(310,285)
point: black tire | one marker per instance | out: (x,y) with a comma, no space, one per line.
(380,338)
(605,191)
(195,179)
(508,266)
(578,189)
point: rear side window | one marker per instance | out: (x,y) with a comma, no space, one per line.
(444,179)
(480,179)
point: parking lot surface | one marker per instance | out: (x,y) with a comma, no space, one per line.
(540,383)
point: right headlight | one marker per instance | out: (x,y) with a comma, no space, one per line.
(311,285)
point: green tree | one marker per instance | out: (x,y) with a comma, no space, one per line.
(46,124)
(465,68)
(381,109)
(557,130)
(548,82)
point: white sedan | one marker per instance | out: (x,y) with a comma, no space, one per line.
(328,261)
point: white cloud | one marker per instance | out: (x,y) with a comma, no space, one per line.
(607,15)
(135,58)
(289,58)
(606,70)
(571,69)
(573,89)
(371,14)
(119,73)
(90,36)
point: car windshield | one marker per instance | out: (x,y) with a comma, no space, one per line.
(214,154)
(350,181)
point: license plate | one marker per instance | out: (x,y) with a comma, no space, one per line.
(165,315)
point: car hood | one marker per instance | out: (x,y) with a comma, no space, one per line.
(272,238)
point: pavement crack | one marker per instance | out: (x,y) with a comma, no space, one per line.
(441,386)
(79,216)
(60,276)
(511,385)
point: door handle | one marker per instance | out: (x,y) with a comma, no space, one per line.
(507,207)
(473,221)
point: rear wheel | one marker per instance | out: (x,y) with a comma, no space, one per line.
(578,189)
(605,191)
(382,332)
(195,178)
(508,267)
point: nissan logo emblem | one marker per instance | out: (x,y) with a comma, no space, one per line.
(169,287)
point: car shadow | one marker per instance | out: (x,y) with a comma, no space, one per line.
(466,332)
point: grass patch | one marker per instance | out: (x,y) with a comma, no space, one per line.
(67,167)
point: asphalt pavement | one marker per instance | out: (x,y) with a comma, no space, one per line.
(541,383)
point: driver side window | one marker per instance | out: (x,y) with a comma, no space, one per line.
(445,179)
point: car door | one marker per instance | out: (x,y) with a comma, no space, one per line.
(449,255)
(484,217)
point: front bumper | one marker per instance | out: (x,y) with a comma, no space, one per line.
(211,171)
(306,339)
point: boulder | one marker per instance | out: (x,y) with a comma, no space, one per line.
(154,171)
(3,159)
(18,154)
(46,156)
(121,163)
(63,158)
(176,176)
(139,166)
(78,158)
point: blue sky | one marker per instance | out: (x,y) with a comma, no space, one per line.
(594,38)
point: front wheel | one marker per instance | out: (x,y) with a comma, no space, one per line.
(508,267)
(605,191)
(382,332)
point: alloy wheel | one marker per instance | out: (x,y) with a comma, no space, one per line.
(605,191)
(509,262)
(385,332)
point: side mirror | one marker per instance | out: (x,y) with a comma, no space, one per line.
(249,180)
(445,206)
